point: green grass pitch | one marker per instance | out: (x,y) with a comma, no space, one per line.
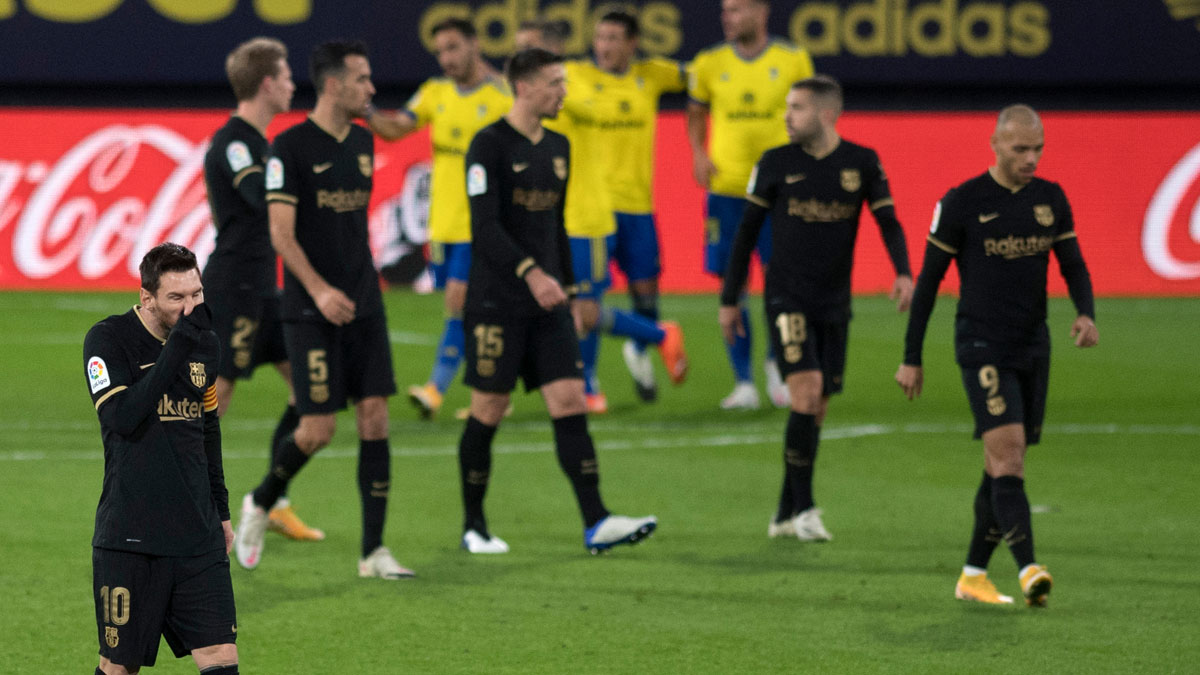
(1113,484)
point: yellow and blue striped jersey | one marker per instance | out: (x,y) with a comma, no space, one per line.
(454,116)
(746,103)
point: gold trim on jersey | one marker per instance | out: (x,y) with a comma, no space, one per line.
(137,310)
(755,199)
(115,390)
(283,197)
(245,172)
(1064,236)
(524,266)
(948,249)
(886,201)
(145,366)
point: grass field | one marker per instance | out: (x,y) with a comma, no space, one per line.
(1114,485)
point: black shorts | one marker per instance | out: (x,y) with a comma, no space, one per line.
(139,597)
(540,349)
(801,344)
(1001,395)
(249,329)
(331,364)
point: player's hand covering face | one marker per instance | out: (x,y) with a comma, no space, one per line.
(178,293)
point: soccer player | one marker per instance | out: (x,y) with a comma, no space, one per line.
(469,97)
(591,225)
(629,89)
(813,189)
(548,35)
(318,188)
(517,321)
(741,85)
(999,228)
(239,278)
(160,564)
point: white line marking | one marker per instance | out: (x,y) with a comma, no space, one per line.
(637,442)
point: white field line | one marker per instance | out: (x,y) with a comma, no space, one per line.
(637,441)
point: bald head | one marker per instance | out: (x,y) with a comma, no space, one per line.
(1018,115)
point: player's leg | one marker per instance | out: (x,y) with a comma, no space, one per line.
(722,217)
(589,261)
(973,583)
(997,404)
(366,358)
(667,336)
(269,347)
(451,265)
(201,618)
(552,368)
(318,383)
(494,352)
(636,251)
(131,597)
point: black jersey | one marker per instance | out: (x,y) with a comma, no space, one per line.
(164,492)
(243,260)
(517,190)
(1001,242)
(815,205)
(328,180)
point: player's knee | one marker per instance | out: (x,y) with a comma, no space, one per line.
(488,408)
(804,388)
(564,398)
(219,659)
(107,667)
(589,314)
(372,418)
(315,432)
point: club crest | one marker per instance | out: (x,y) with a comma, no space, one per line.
(364,165)
(196,370)
(560,167)
(1044,214)
(110,637)
(851,180)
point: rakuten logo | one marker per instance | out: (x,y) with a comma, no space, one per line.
(1164,210)
(119,166)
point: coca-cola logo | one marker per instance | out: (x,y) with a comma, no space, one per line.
(1170,205)
(100,206)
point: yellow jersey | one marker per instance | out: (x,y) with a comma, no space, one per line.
(454,116)
(746,103)
(589,208)
(627,117)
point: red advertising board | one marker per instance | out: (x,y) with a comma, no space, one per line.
(84,193)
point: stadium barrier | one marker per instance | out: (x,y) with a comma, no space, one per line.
(83,193)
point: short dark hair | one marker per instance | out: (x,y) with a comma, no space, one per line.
(461,25)
(166,257)
(527,62)
(329,58)
(824,86)
(250,62)
(628,21)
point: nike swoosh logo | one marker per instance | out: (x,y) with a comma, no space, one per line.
(983,218)
(794,178)
(519,167)
(321,168)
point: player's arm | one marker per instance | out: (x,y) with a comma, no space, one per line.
(216,471)
(123,405)
(760,196)
(879,200)
(244,172)
(703,168)
(391,126)
(940,249)
(1079,282)
(334,305)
